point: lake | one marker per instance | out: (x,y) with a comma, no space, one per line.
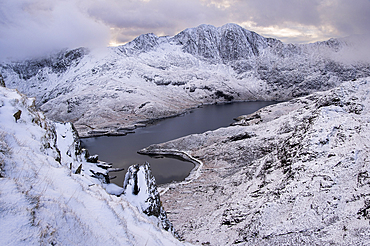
(122,150)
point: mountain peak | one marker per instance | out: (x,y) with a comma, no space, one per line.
(232,26)
(226,43)
(223,44)
(142,43)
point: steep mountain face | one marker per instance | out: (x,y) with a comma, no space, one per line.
(58,63)
(228,43)
(151,77)
(53,193)
(293,173)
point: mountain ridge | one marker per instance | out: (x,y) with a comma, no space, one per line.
(103,92)
(193,39)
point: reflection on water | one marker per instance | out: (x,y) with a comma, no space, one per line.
(121,151)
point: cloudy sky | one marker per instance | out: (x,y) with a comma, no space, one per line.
(33,27)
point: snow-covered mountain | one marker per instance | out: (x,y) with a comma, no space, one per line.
(53,193)
(109,91)
(293,173)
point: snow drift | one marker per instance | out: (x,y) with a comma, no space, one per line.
(51,194)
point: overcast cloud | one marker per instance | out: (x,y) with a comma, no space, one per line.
(36,27)
(33,27)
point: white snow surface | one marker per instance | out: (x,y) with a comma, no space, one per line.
(294,173)
(43,201)
(143,192)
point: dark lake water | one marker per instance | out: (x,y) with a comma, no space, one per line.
(122,150)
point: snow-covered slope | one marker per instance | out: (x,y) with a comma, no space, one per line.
(294,173)
(152,77)
(51,195)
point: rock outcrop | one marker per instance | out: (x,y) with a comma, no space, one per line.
(140,189)
(2,82)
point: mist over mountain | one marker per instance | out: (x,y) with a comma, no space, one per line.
(293,173)
(153,77)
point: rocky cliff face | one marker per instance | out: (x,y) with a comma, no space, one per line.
(153,77)
(140,189)
(227,43)
(58,63)
(294,173)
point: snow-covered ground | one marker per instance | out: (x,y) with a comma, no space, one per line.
(293,173)
(111,90)
(48,195)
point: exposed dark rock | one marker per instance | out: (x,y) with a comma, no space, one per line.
(104,165)
(227,97)
(17,115)
(242,136)
(143,105)
(2,82)
(365,210)
(151,205)
(103,177)
(363,178)
(59,63)
(92,158)
(79,169)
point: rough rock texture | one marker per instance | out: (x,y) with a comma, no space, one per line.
(2,82)
(140,189)
(151,77)
(294,173)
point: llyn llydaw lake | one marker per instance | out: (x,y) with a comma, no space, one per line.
(122,150)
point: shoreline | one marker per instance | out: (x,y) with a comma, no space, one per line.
(193,174)
(129,129)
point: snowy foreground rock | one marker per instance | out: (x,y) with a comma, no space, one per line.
(51,195)
(113,91)
(294,173)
